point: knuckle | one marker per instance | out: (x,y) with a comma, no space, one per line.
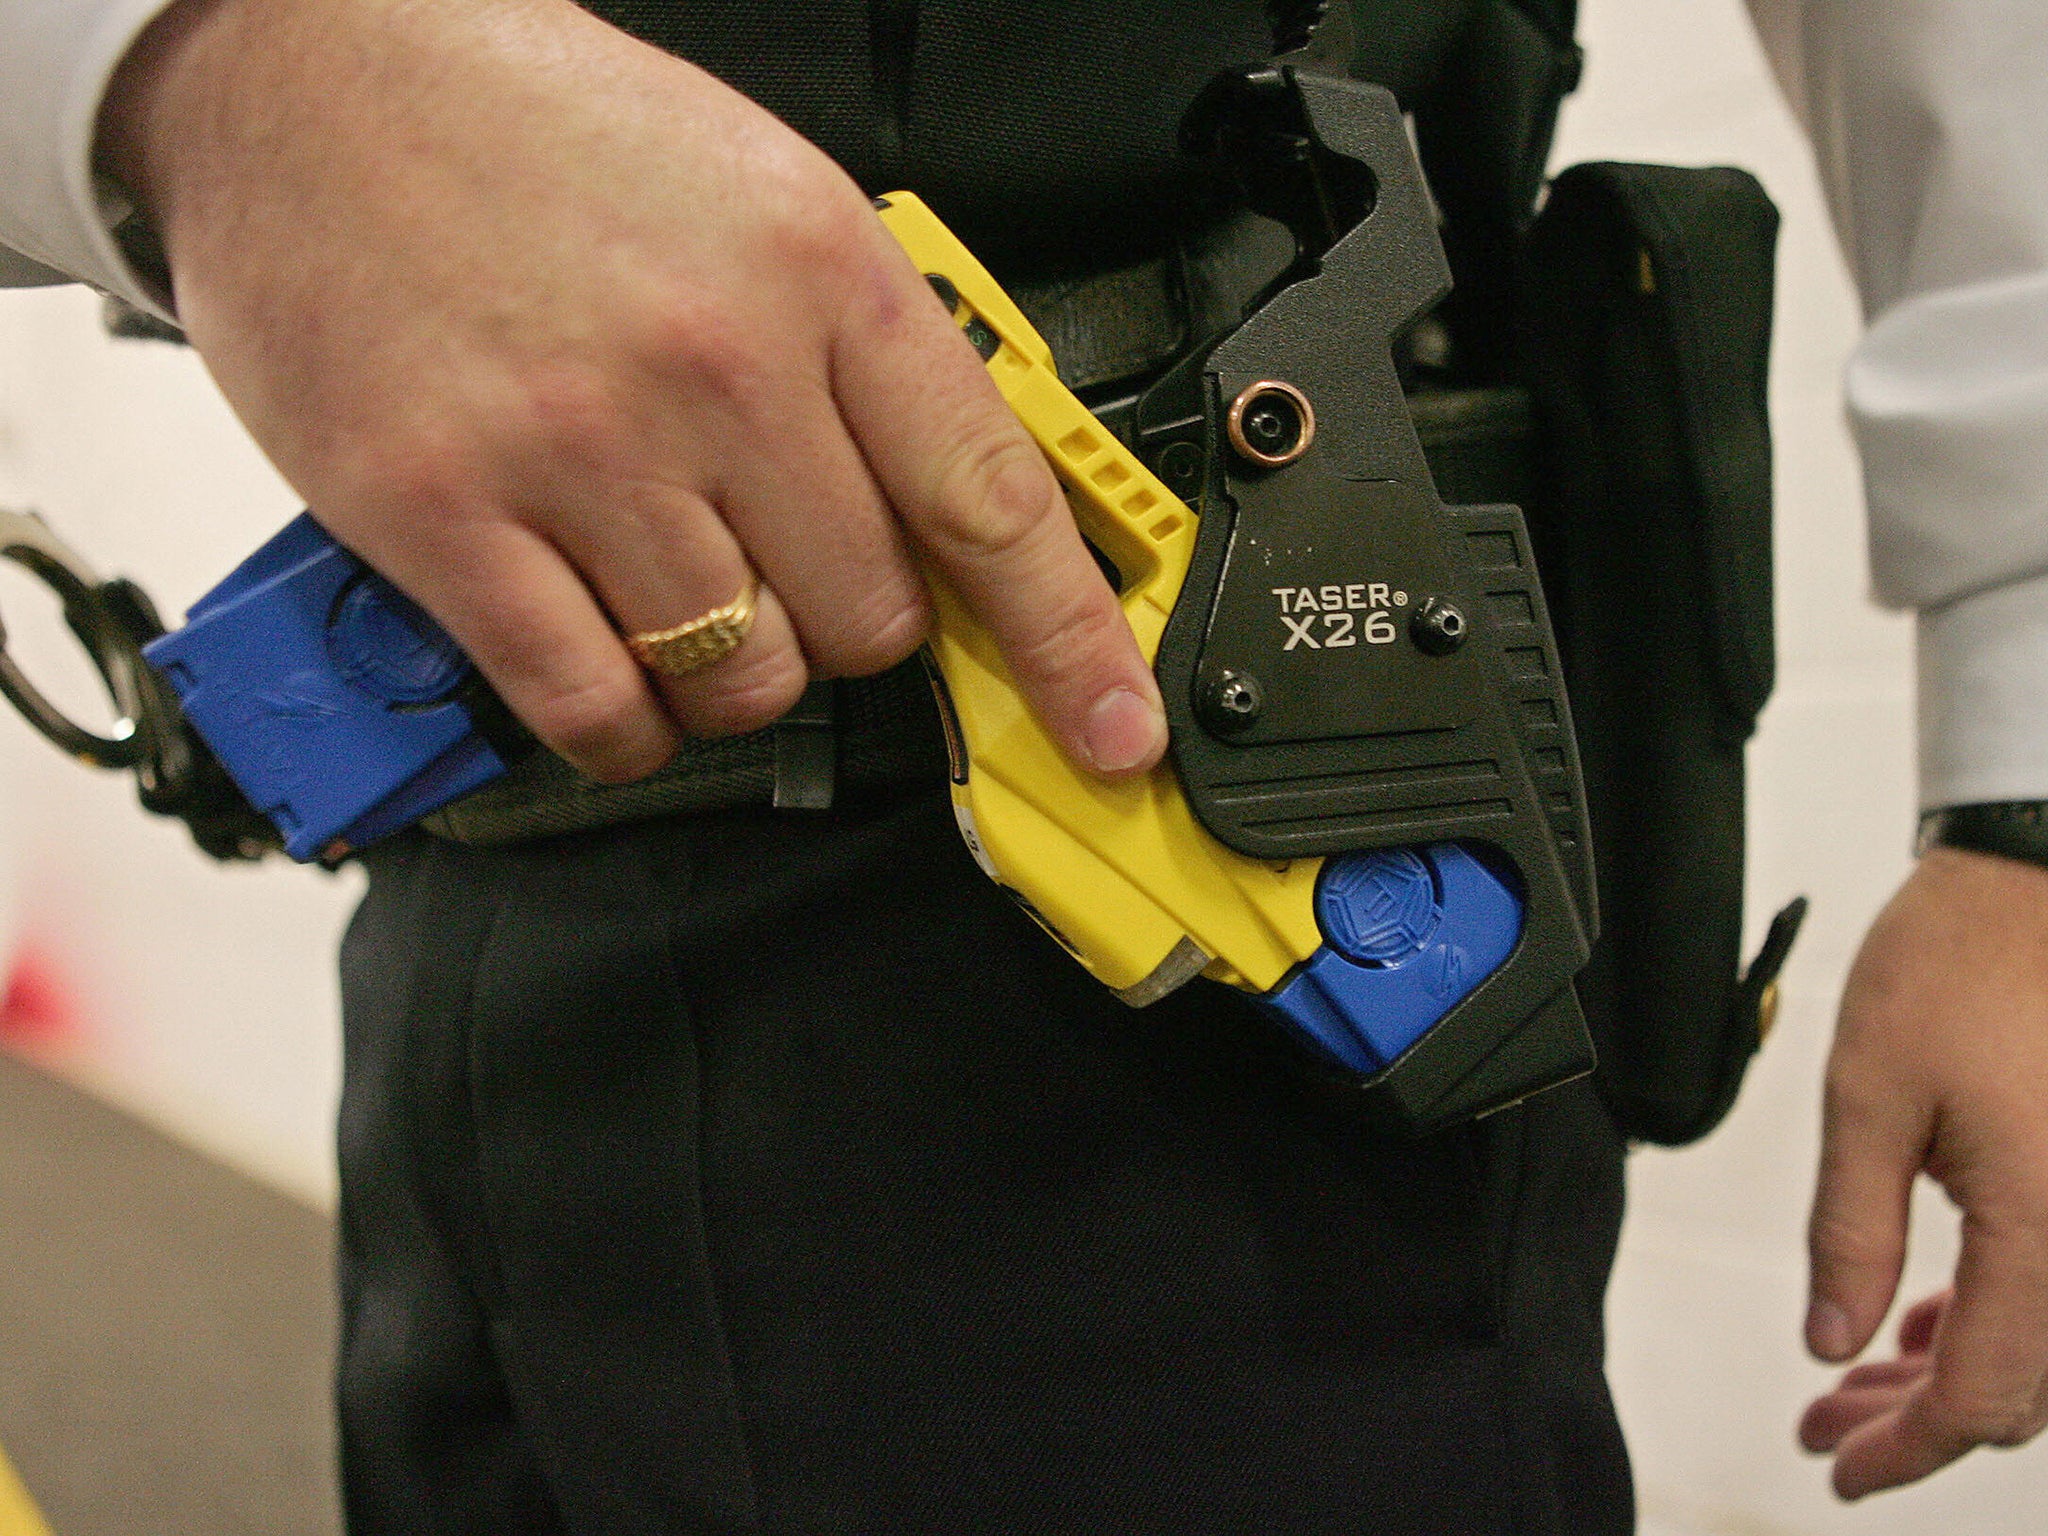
(1849,1097)
(809,210)
(877,642)
(1069,636)
(695,339)
(749,694)
(573,413)
(1869,1113)
(991,495)
(812,227)
(594,721)
(2016,1429)
(420,474)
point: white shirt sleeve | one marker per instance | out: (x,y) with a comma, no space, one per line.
(1930,122)
(56,57)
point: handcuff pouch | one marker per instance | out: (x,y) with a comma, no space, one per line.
(1644,328)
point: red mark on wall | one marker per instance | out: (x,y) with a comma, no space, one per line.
(39,1007)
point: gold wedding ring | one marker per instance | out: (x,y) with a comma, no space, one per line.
(698,643)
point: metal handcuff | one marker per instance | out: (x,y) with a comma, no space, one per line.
(112,620)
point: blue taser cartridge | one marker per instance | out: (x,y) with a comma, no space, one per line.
(338,707)
(1409,934)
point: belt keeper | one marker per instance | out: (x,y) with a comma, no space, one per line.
(807,751)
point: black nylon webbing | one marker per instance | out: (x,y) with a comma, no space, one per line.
(888,734)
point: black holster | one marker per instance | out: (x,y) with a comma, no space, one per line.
(1644,333)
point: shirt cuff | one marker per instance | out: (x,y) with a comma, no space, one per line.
(56,58)
(1984,697)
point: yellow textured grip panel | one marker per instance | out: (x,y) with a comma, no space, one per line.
(1121,873)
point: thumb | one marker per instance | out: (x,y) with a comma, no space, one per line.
(1873,1143)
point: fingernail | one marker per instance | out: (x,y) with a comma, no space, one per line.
(1123,731)
(1827,1331)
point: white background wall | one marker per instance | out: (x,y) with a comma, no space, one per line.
(207,994)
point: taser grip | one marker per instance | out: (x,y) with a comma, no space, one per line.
(1120,873)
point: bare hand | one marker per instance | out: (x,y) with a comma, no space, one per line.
(567,338)
(1940,1063)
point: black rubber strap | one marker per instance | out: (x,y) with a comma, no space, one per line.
(2012,829)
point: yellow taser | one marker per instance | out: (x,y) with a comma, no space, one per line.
(1121,874)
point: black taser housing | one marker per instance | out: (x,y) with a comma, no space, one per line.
(1297,734)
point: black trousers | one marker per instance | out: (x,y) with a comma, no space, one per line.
(760,1173)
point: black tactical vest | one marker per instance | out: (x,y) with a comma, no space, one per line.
(1044,131)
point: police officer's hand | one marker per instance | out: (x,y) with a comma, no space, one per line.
(567,338)
(1940,1064)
